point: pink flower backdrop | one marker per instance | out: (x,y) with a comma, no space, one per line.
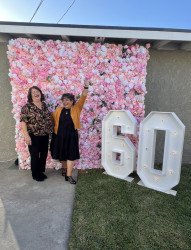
(118,74)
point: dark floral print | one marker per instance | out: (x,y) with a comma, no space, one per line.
(38,121)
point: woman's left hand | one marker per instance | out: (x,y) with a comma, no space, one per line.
(86,84)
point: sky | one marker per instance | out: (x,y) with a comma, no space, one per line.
(134,13)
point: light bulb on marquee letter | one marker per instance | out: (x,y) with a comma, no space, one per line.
(118,152)
(165,179)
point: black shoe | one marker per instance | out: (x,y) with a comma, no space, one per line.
(39,178)
(70,179)
(43,175)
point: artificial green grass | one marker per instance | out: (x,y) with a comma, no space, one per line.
(114,214)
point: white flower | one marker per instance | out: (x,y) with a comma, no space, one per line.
(131,85)
(90,48)
(127,89)
(32,51)
(51,58)
(107,80)
(125,83)
(124,68)
(55,78)
(29,81)
(61,52)
(103,48)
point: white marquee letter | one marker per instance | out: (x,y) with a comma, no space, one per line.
(118,153)
(165,179)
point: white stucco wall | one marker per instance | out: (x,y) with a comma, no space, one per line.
(7,123)
(169,89)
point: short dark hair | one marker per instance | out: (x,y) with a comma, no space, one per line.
(69,96)
(30,94)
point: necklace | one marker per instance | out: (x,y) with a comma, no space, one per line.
(66,112)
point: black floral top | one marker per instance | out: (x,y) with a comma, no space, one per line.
(38,121)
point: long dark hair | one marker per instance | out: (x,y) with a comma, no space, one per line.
(69,96)
(30,94)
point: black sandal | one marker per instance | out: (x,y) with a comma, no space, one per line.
(70,179)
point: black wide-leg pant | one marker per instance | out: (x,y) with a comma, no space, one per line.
(38,152)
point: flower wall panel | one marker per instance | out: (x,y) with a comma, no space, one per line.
(118,75)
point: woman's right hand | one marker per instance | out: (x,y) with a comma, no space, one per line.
(28,139)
